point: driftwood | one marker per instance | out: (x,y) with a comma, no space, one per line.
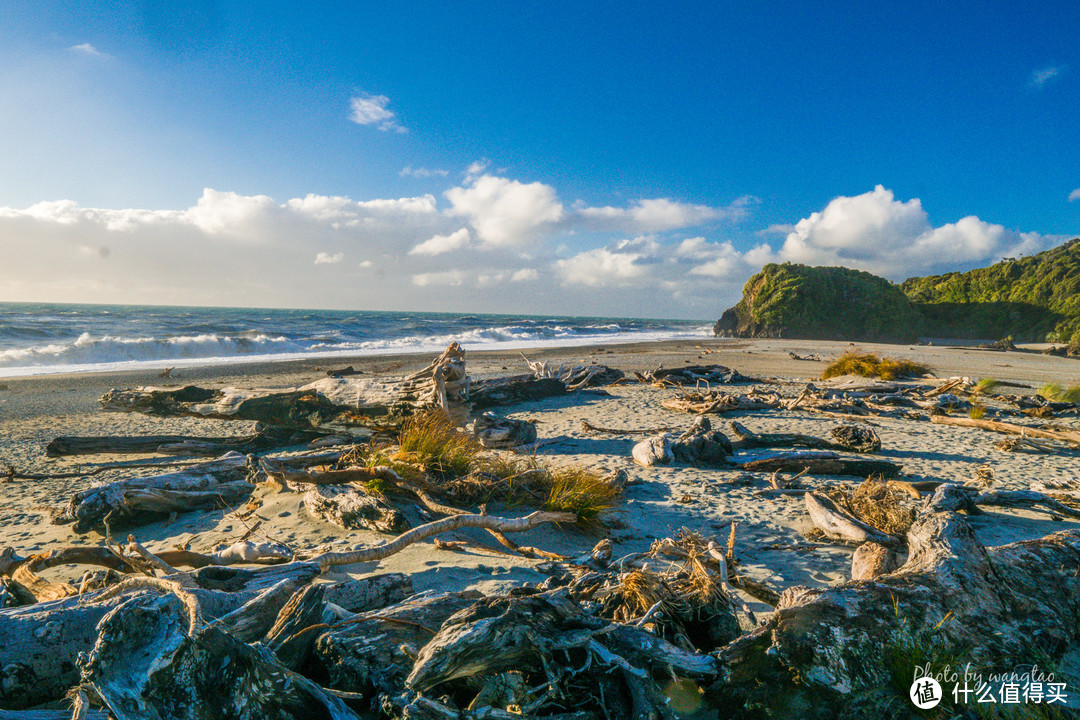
(494,392)
(714,401)
(872,560)
(376,650)
(611,662)
(692,375)
(455,522)
(651,451)
(353,510)
(221,482)
(147,663)
(838,523)
(829,649)
(577,377)
(821,463)
(42,641)
(843,437)
(173,444)
(1009,428)
(495,431)
(338,404)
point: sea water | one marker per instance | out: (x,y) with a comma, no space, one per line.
(38,338)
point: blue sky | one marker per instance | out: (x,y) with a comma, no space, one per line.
(595,158)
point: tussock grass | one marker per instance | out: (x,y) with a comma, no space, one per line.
(977,411)
(868,364)
(434,456)
(431,441)
(986,385)
(1057,393)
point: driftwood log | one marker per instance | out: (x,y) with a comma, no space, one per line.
(1068,436)
(821,463)
(715,401)
(828,651)
(838,523)
(351,509)
(495,431)
(842,437)
(264,439)
(218,483)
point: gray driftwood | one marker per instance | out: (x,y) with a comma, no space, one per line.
(827,650)
(838,523)
(821,463)
(496,431)
(872,559)
(842,437)
(351,509)
(212,484)
(148,663)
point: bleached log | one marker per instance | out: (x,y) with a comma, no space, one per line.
(1009,428)
(495,431)
(350,509)
(138,499)
(171,444)
(843,437)
(821,463)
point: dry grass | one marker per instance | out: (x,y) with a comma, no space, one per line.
(977,411)
(437,458)
(1057,393)
(868,364)
(876,504)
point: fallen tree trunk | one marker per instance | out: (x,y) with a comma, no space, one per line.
(1008,428)
(821,463)
(172,444)
(714,401)
(844,437)
(829,651)
(220,482)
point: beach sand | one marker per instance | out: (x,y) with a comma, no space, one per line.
(659,501)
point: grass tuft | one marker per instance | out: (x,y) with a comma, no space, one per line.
(1057,393)
(430,441)
(986,385)
(581,491)
(977,411)
(868,364)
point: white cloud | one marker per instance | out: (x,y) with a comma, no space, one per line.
(372,110)
(878,233)
(87,49)
(440,244)
(445,277)
(524,275)
(1039,78)
(328,259)
(229,212)
(422,172)
(1074,195)
(506,212)
(661,214)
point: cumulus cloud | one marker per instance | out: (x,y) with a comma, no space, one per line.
(371,110)
(1074,195)
(1041,77)
(506,212)
(440,244)
(328,259)
(876,232)
(524,275)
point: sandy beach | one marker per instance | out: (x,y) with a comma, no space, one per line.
(770,543)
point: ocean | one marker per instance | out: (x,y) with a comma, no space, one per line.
(37,338)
